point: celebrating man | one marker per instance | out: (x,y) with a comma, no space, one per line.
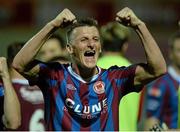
(81,95)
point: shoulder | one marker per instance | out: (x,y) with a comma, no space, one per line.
(122,71)
(159,86)
(122,68)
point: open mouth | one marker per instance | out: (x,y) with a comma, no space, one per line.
(90,53)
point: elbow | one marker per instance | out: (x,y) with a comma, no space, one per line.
(17,67)
(161,71)
(14,123)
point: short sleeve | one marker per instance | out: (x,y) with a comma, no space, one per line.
(46,75)
(124,77)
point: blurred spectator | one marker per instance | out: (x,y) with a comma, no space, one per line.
(115,44)
(30,97)
(159,101)
(54,47)
(10,115)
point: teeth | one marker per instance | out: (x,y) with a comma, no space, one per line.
(89,53)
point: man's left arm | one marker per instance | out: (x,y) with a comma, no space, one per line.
(155,65)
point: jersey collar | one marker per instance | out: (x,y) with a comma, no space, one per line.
(80,78)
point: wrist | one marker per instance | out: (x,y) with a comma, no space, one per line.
(140,25)
(50,25)
(54,23)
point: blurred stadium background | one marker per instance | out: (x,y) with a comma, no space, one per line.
(21,19)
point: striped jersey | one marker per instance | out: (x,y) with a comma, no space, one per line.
(160,100)
(76,105)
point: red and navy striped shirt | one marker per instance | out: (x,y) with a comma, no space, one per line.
(74,104)
(160,100)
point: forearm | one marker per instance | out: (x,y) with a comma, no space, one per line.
(31,48)
(11,105)
(155,59)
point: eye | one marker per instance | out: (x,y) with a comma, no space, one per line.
(96,39)
(84,39)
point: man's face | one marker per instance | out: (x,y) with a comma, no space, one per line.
(50,49)
(85,46)
(175,53)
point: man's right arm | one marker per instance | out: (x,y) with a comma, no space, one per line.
(31,48)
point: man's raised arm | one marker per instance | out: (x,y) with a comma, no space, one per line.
(31,48)
(156,65)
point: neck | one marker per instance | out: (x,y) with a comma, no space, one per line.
(84,72)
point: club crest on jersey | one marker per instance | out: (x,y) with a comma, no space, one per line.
(99,87)
(70,87)
(155,92)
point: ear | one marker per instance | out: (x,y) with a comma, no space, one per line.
(100,50)
(69,48)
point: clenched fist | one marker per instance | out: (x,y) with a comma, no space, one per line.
(64,18)
(127,17)
(3,67)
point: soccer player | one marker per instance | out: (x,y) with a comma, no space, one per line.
(115,43)
(10,114)
(30,97)
(81,95)
(160,98)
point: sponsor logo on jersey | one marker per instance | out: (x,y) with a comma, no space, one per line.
(99,87)
(86,111)
(70,87)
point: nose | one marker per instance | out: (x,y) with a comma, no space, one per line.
(90,44)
